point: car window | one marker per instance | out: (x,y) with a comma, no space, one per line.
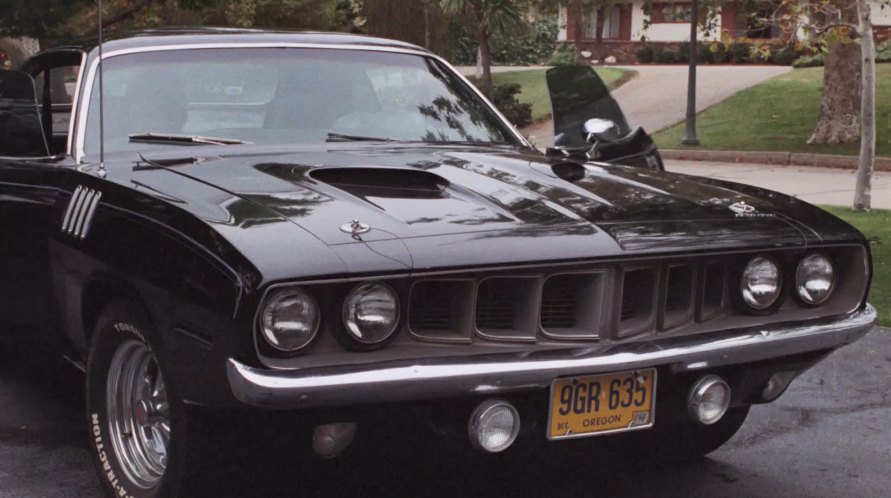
(292,96)
(62,82)
(21,132)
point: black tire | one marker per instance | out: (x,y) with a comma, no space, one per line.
(123,327)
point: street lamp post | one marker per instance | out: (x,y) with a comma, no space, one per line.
(690,131)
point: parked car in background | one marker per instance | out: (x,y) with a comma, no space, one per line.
(315,224)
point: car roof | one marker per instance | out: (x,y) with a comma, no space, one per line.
(205,35)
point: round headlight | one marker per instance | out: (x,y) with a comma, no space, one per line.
(290,320)
(761,283)
(371,313)
(814,278)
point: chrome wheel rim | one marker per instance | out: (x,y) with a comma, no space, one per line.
(138,413)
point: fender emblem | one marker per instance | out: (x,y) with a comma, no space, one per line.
(742,208)
(79,215)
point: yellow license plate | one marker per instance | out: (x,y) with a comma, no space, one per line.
(599,404)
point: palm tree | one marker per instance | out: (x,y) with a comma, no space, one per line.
(489,16)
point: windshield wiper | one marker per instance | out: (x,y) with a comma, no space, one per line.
(339,137)
(184,139)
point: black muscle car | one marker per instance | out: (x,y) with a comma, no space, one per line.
(319,224)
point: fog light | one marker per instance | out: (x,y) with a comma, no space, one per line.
(709,399)
(494,425)
(330,440)
(777,385)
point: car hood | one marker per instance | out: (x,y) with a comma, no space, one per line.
(434,200)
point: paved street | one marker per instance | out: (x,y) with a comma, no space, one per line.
(827,437)
(814,185)
(657,97)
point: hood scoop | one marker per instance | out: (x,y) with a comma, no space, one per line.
(414,197)
(384,182)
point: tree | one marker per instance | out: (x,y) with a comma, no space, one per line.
(866,164)
(831,22)
(488,16)
(432,33)
(843,28)
(847,110)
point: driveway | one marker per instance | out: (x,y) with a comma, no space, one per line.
(814,185)
(657,97)
(827,436)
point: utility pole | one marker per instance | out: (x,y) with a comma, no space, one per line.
(690,132)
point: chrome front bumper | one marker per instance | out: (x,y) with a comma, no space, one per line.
(494,374)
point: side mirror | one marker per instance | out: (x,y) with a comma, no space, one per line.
(600,131)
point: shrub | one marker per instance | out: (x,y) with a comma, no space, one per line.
(809,61)
(683,53)
(738,52)
(719,53)
(564,55)
(527,44)
(665,56)
(784,56)
(506,101)
(646,54)
(883,51)
(704,55)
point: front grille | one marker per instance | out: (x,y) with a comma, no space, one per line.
(572,305)
(560,301)
(713,290)
(507,308)
(441,310)
(607,301)
(679,296)
(638,301)
(496,306)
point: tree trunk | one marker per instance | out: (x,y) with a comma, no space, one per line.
(427,24)
(14,50)
(863,190)
(839,120)
(482,38)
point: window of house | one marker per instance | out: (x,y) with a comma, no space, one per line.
(671,13)
(611,24)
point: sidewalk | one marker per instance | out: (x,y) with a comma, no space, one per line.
(814,185)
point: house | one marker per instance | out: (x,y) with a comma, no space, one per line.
(627,25)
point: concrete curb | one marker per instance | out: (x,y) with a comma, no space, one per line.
(777,158)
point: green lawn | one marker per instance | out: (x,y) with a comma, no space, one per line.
(779,115)
(877,227)
(535,89)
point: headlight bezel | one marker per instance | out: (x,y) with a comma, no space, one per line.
(833,282)
(267,340)
(357,342)
(745,302)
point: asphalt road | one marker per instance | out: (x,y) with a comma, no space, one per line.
(828,436)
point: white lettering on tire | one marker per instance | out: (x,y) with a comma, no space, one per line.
(103,458)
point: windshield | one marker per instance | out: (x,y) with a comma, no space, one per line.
(286,96)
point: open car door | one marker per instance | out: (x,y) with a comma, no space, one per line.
(21,130)
(589,123)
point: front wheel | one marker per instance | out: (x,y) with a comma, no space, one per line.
(137,426)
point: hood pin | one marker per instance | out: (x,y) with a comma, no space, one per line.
(355,228)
